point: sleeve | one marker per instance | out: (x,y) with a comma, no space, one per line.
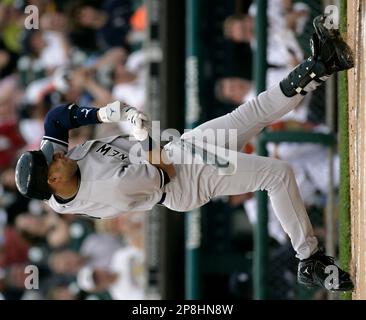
(63,118)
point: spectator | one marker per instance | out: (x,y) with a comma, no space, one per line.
(12,202)
(8,60)
(97,250)
(43,52)
(80,57)
(130,80)
(110,21)
(283,49)
(124,277)
(49,227)
(233,90)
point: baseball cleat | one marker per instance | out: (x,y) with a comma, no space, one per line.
(329,55)
(320,270)
(328,46)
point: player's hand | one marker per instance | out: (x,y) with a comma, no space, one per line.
(138,119)
(140,134)
(119,111)
(140,124)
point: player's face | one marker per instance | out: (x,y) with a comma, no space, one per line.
(62,167)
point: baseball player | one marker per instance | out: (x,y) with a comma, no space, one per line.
(98,178)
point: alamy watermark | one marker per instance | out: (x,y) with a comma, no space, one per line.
(332,281)
(216,147)
(331,14)
(32,20)
(31,281)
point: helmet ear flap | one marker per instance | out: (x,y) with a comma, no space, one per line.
(31,174)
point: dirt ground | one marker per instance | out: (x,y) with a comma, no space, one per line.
(356,16)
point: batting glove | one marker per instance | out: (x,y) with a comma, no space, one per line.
(118,111)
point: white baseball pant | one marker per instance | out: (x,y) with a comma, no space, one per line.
(194,185)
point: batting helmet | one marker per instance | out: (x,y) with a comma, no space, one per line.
(31,172)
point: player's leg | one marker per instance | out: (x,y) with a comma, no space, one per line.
(276,177)
(255,173)
(248,119)
(329,54)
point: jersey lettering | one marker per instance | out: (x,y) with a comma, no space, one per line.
(114,153)
(122,156)
(106,150)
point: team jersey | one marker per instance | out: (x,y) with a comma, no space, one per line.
(110,183)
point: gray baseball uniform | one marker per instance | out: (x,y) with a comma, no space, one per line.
(111,184)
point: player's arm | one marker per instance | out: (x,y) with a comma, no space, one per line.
(63,118)
(140,122)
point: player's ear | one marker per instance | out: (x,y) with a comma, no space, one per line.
(53,179)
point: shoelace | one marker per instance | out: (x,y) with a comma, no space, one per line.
(325,259)
(328,260)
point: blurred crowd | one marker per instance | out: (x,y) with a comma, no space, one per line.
(53,52)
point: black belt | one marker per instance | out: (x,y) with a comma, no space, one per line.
(164,177)
(166,180)
(161,201)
